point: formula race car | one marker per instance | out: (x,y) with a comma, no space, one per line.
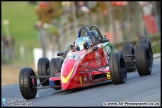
(90,59)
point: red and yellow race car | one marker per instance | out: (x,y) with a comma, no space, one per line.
(91,59)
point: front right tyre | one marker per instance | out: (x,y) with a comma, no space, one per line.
(27,84)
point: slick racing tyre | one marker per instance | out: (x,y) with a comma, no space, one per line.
(128,49)
(148,43)
(42,66)
(117,68)
(143,59)
(55,65)
(27,85)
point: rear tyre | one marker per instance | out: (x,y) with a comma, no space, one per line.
(117,68)
(143,59)
(55,65)
(27,85)
(43,65)
(148,43)
(128,49)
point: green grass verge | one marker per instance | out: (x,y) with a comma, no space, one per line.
(22,17)
(156,48)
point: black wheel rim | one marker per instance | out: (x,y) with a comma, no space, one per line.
(122,69)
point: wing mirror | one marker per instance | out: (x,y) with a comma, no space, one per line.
(60,54)
(72,46)
(105,40)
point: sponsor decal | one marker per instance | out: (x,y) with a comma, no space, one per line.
(108,49)
(97,58)
(90,76)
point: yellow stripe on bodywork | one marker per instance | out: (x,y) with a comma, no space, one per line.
(66,79)
(80,79)
(108,75)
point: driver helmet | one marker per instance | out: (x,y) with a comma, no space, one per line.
(94,34)
(82,43)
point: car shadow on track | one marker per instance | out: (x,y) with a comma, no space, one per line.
(43,92)
(86,87)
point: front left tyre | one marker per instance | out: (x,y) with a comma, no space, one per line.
(117,67)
